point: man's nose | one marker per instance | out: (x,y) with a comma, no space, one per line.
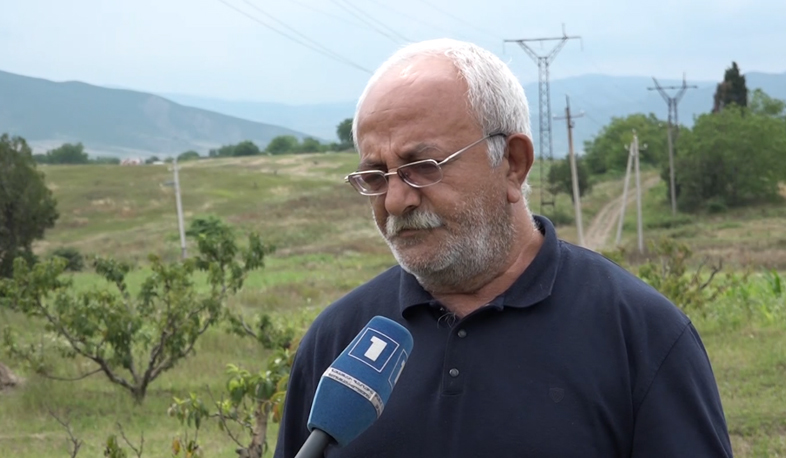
(400,197)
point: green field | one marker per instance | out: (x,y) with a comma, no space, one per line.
(326,245)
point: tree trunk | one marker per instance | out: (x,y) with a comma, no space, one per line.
(259,438)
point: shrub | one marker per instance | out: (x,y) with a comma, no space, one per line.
(75,262)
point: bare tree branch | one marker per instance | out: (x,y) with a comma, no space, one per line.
(74,342)
(68,379)
(715,270)
(76,444)
(141,443)
(222,419)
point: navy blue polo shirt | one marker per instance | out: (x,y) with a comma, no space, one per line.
(578,358)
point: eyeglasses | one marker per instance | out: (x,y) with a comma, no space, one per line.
(418,174)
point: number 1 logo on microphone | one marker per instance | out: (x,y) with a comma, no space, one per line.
(374,348)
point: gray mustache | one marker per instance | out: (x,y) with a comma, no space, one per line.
(416,220)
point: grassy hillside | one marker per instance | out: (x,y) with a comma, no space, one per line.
(326,245)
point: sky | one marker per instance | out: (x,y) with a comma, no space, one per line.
(225,49)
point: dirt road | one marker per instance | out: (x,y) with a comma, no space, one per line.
(604,224)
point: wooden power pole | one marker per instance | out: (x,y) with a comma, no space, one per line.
(574,170)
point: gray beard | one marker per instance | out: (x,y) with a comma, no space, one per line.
(473,253)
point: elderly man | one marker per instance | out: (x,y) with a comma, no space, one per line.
(525,345)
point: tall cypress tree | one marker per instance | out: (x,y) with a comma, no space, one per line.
(732,90)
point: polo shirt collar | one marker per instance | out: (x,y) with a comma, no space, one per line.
(533,285)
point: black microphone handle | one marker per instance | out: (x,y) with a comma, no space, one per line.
(316,443)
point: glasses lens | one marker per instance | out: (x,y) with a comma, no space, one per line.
(421,174)
(369,182)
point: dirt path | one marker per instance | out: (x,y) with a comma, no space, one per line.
(605,222)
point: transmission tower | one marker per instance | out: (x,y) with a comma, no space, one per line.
(544,102)
(672,102)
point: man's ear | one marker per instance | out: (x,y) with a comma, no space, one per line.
(520,155)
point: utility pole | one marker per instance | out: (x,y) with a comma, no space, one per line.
(638,192)
(672,102)
(633,160)
(573,169)
(544,101)
(625,194)
(179,210)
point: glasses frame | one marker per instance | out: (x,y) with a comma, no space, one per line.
(397,170)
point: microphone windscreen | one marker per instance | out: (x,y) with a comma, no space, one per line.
(352,392)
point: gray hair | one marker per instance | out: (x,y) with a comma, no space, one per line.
(495,97)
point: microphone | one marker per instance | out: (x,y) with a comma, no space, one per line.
(353,391)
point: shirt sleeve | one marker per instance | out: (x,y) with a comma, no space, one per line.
(681,414)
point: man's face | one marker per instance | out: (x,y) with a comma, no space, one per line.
(459,227)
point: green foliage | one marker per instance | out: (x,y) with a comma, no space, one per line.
(667,271)
(560,216)
(608,151)
(131,340)
(762,104)
(246,148)
(251,397)
(208,226)
(105,160)
(27,207)
(152,159)
(730,158)
(344,133)
(113,449)
(282,144)
(732,91)
(561,180)
(189,155)
(775,282)
(67,153)
(310,145)
(75,262)
(224,151)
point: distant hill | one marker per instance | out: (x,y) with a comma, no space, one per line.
(117,122)
(600,97)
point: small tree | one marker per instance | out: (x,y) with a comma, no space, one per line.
(310,145)
(27,207)
(561,179)
(344,133)
(282,144)
(131,339)
(246,148)
(189,155)
(75,262)
(607,151)
(68,153)
(251,398)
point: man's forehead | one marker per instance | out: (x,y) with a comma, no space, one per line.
(410,77)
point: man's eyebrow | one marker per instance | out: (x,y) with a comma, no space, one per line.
(415,153)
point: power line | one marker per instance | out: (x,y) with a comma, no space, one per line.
(467,23)
(330,54)
(392,30)
(672,102)
(375,28)
(334,16)
(544,101)
(410,17)
(304,37)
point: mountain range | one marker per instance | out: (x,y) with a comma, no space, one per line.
(117,122)
(122,122)
(596,98)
